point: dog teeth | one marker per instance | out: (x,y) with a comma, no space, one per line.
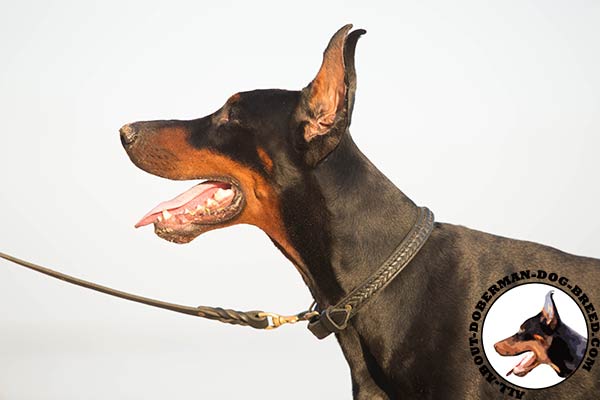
(222,194)
(160,218)
(211,203)
(166,215)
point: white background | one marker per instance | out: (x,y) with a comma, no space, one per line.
(496,102)
(506,316)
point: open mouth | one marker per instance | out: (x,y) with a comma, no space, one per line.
(524,366)
(184,217)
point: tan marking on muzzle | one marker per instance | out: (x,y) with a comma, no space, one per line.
(169,154)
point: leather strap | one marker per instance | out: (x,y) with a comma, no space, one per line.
(254,319)
(332,319)
(335,318)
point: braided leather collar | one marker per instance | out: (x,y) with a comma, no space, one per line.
(335,318)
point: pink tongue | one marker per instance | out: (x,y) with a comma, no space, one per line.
(521,366)
(198,194)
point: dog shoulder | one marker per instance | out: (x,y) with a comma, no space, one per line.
(502,253)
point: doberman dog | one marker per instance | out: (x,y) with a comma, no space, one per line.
(285,162)
(545,339)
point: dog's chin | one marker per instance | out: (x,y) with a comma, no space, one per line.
(181,235)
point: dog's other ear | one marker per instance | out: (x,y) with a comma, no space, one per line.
(549,313)
(326,106)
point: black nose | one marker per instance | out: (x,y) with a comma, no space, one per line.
(128,134)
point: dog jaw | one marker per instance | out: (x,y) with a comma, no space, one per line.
(534,354)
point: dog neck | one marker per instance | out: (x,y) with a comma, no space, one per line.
(357,219)
(567,350)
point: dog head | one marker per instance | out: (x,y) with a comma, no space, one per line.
(533,339)
(254,154)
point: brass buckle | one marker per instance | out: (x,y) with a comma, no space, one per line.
(276,320)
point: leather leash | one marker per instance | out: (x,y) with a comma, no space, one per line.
(254,319)
(321,324)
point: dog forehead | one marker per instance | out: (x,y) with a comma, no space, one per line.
(265,102)
(532,323)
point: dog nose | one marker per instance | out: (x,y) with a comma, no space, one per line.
(128,134)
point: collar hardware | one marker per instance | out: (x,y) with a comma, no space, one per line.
(276,320)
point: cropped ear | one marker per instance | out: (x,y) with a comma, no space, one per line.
(549,313)
(326,105)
